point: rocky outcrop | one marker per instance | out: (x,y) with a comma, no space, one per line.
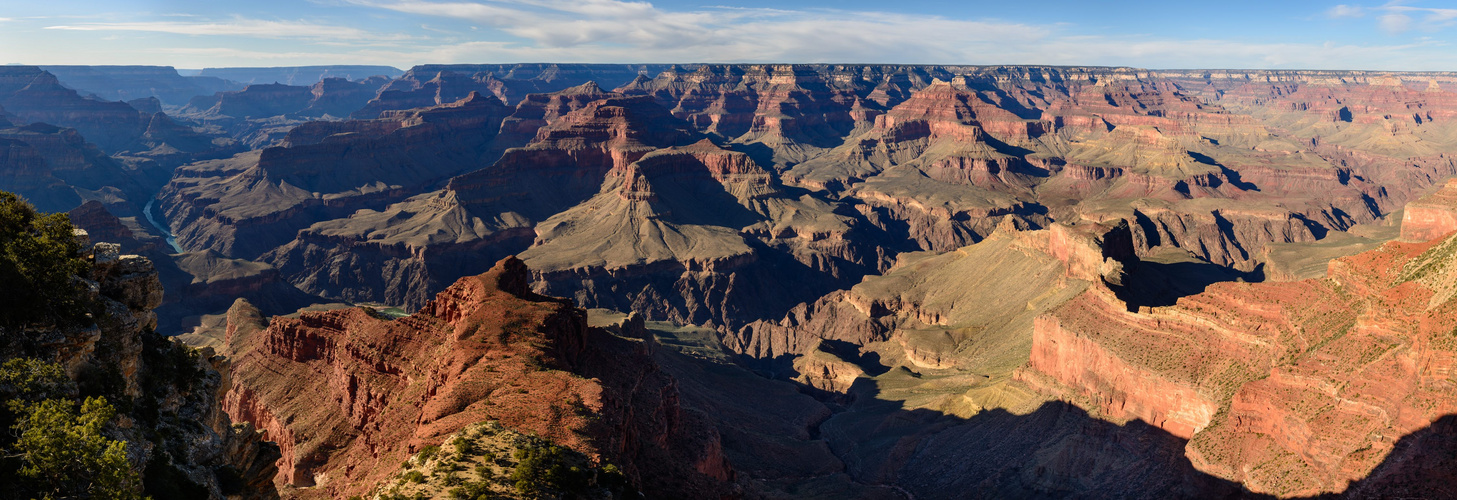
(338,97)
(172,417)
(485,349)
(1432,216)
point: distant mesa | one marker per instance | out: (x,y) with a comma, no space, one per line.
(297,75)
(128,83)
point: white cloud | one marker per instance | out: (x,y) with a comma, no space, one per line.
(1343,10)
(1397,17)
(1431,19)
(1394,23)
(237,27)
(624,31)
(636,31)
(643,32)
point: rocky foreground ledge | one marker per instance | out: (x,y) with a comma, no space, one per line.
(168,397)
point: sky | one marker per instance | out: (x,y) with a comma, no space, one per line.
(1392,35)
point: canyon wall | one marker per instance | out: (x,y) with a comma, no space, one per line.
(349,394)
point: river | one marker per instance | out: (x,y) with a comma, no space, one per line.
(152,219)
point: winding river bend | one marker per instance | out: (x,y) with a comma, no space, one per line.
(153,220)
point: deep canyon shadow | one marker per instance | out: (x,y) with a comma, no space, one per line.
(865,444)
(1157,284)
(803,438)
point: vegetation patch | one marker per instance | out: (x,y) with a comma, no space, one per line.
(488,461)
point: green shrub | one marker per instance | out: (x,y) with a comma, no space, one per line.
(478,490)
(611,478)
(526,487)
(414,476)
(544,466)
(38,260)
(65,452)
(464,446)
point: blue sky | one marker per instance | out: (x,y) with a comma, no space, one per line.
(1392,35)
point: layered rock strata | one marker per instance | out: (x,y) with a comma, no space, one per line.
(1294,388)
(248,204)
(349,394)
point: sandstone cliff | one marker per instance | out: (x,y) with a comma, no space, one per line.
(348,394)
(1294,388)
(1431,216)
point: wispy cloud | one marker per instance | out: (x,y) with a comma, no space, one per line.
(725,34)
(628,31)
(1394,23)
(1342,11)
(238,27)
(449,31)
(1396,17)
(1431,19)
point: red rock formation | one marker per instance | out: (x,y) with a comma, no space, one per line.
(1290,388)
(348,395)
(1432,216)
(787,107)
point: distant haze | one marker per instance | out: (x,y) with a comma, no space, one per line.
(298,75)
